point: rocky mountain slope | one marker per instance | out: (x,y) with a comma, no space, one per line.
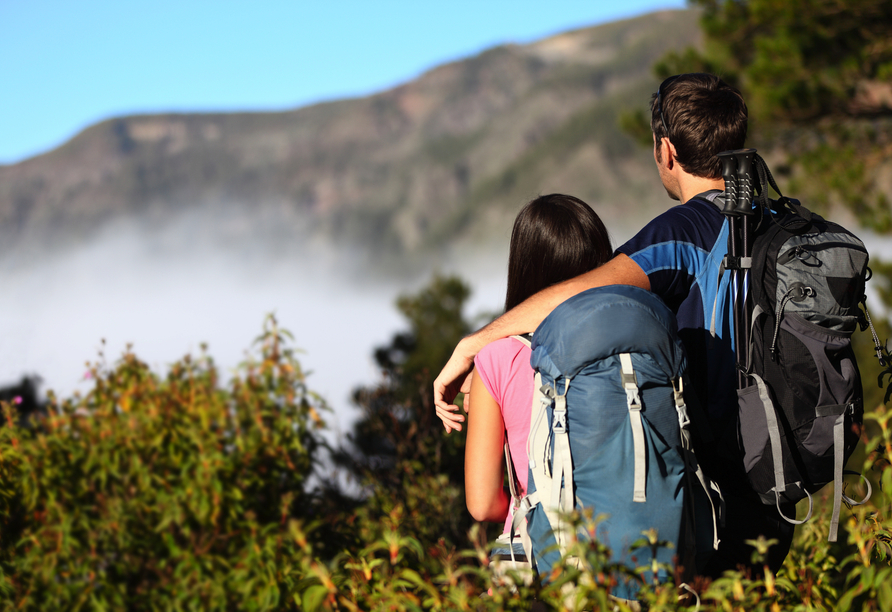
(450,155)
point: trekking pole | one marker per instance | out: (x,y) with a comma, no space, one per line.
(729,174)
(745,191)
(737,174)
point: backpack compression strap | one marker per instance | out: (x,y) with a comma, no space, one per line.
(562,470)
(633,399)
(838,462)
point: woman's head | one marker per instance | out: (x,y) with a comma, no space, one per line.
(555,237)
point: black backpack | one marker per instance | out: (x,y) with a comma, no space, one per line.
(801,401)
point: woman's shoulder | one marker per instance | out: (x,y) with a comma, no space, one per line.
(505,355)
(503,348)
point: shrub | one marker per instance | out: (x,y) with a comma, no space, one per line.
(400,455)
(175,492)
(155,492)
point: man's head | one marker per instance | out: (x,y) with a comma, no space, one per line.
(701,115)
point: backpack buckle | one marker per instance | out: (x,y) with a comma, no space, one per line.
(633,399)
(559,421)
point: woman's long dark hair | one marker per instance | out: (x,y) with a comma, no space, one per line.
(555,238)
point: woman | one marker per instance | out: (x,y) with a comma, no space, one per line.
(555,238)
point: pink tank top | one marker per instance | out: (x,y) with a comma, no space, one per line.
(504,367)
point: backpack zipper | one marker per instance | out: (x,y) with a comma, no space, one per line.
(796,293)
(803,251)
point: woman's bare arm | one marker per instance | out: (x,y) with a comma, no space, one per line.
(484,457)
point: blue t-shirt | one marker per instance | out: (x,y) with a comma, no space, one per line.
(681,252)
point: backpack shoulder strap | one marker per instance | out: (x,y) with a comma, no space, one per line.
(526,339)
(710,488)
(714,196)
(513,482)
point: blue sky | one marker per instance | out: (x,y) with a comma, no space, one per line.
(66,64)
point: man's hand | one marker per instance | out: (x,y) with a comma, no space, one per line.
(455,377)
(526,317)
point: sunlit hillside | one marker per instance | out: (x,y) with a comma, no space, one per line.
(450,155)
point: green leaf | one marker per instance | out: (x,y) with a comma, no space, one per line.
(884,595)
(313,597)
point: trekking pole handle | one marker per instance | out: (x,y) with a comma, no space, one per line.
(737,172)
(729,174)
(745,184)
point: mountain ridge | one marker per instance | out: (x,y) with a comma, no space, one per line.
(429,163)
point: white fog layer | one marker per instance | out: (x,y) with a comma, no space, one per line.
(167,291)
(165,294)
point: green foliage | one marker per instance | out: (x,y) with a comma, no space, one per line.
(160,493)
(435,318)
(691,60)
(802,59)
(403,455)
(838,161)
(868,566)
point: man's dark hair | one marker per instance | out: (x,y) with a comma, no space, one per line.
(703,116)
(555,238)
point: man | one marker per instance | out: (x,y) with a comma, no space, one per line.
(677,256)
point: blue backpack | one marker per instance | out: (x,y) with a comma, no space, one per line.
(609,432)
